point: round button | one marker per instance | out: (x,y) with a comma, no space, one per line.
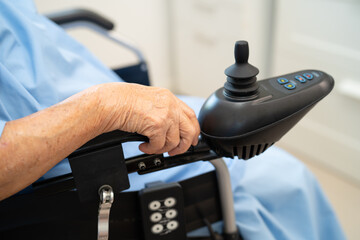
(155,217)
(154,205)
(170,202)
(171,213)
(308,76)
(157,228)
(172,225)
(300,78)
(282,80)
(290,86)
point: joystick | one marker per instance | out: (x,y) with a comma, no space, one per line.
(241,82)
(247,116)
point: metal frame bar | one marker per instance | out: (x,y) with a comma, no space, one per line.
(226,196)
(111,35)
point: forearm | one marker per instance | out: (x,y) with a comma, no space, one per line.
(30,146)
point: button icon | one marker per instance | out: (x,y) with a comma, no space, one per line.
(154,205)
(171,213)
(282,80)
(308,76)
(170,202)
(155,217)
(300,78)
(172,225)
(157,228)
(290,86)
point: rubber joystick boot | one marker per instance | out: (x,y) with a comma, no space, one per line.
(241,82)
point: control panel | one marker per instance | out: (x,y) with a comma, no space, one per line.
(296,81)
(162,208)
(247,116)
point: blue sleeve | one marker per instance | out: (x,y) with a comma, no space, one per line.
(2,125)
(40,65)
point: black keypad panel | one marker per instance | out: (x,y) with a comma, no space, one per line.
(162,210)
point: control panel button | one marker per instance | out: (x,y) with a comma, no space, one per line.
(171,213)
(155,217)
(308,76)
(290,86)
(170,202)
(172,225)
(157,228)
(154,205)
(282,80)
(300,78)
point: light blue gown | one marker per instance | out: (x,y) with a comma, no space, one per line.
(276,197)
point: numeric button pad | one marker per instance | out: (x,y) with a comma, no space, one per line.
(164,215)
(162,211)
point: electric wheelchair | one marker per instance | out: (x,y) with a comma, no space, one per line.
(241,120)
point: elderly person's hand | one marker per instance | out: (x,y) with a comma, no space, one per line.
(30,146)
(170,124)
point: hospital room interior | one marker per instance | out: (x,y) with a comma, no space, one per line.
(188,43)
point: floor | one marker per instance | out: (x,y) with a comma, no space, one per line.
(343,194)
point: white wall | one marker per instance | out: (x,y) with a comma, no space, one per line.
(203,36)
(324,35)
(143,21)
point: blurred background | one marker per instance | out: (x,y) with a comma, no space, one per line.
(189,43)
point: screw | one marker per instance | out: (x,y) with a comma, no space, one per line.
(142,166)
(157,162)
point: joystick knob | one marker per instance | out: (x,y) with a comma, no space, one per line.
(241,82)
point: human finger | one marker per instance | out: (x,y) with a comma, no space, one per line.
(172,138)
(155,144)
(192,117)
(187,133)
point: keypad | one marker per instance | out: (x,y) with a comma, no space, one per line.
(292,82)
(163,216)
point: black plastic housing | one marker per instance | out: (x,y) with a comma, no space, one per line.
(245,128)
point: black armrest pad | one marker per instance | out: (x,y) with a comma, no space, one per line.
(107,140)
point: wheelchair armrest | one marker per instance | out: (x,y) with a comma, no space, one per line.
(108,140)
(74,15)
(101,162)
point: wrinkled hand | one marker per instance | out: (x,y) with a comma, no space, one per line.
(169,123)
